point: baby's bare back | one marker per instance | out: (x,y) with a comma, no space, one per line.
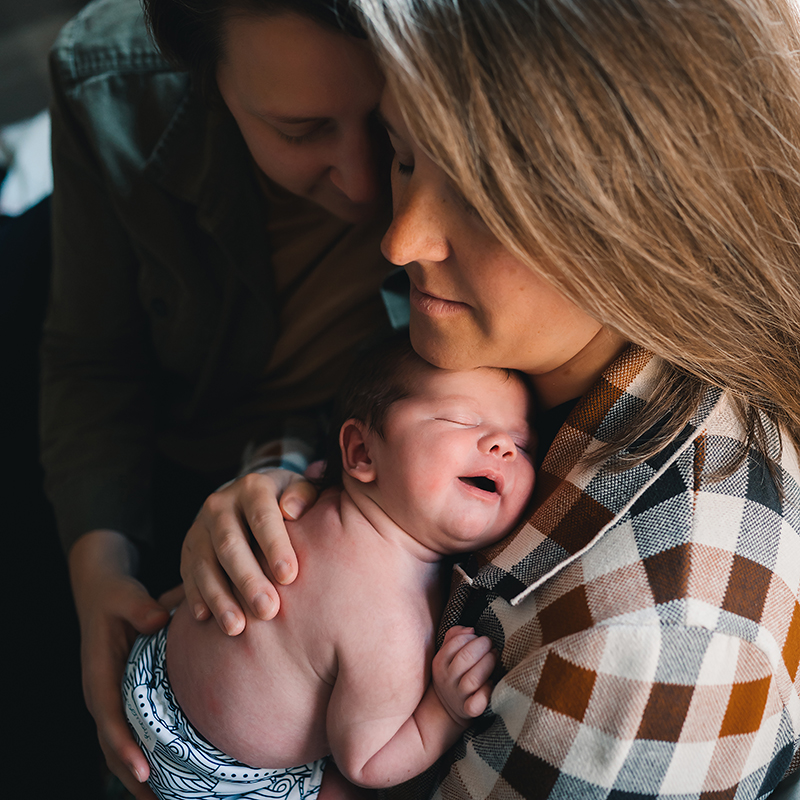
(262,696)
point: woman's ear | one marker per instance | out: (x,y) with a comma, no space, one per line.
(354,440)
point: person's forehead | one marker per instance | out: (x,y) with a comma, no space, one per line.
(468,385)
(295,63)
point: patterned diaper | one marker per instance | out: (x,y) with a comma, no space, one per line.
(182,763)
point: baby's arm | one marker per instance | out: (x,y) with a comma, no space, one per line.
(374,742)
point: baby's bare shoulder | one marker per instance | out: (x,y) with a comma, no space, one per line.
(385,622)
(356,583)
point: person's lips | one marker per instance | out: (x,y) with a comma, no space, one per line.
(433,305)
(487,483)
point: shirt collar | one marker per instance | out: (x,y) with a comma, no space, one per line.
(202,159)
(574,504)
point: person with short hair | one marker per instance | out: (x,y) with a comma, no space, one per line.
(218,206)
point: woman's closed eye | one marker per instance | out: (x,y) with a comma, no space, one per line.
(397,145)
(403,169)
(308,135)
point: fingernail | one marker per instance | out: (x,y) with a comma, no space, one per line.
(199,610)
(294,507)
(230,622)
(264,606)
(136,773)
(283,572)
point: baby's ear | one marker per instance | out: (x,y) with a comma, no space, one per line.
(354,440)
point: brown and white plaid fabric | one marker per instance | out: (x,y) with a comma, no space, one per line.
(648,620)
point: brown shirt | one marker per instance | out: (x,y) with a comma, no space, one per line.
(327,276)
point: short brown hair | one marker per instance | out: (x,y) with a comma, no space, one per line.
(189,33)
(382,375)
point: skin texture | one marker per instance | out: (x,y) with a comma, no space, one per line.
(336,163)
(113,608)
(472,423)
(304,98)
(343,667)
(473,303)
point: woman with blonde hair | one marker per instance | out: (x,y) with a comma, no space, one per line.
(606,196)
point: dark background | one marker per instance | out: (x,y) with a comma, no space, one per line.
(54,751)
(27,29)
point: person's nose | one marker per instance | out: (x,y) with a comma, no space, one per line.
(355,169)
(498,443)
(417,232)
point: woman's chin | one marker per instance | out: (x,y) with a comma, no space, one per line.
(445,352)
(440,357)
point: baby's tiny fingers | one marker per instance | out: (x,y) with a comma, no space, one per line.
(455,640)
(477,703)
(457,630)
(478,674)
(471,653)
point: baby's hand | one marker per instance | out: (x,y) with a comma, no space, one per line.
(461,671)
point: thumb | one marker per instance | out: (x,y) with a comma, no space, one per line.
(297,498)
(144,613)
(172,598)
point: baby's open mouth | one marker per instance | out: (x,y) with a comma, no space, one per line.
(480,482)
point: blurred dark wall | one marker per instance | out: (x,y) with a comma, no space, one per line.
(27,29)
(54,749)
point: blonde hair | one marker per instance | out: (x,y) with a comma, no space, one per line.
(643,154)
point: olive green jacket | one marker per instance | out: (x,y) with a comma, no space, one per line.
(163,312)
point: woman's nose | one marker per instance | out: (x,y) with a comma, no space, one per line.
(355,171)
(498,444)
(417,232)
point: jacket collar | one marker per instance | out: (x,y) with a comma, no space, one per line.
(202,159)
(574,504)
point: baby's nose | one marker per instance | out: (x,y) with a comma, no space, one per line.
(499,444)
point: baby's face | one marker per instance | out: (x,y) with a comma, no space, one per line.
(454,468)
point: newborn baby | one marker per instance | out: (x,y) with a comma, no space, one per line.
(433,463)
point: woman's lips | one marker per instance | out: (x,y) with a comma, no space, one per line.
(433,306)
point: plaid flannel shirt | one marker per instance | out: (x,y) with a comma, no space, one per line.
(648,620)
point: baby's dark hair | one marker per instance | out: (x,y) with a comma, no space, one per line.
(381,375)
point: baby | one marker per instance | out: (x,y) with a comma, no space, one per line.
(433,463)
